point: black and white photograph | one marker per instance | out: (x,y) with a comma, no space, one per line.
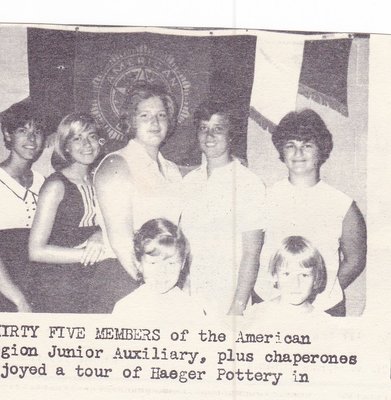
(253,148)
(188,177)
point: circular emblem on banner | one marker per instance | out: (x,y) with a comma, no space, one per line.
(111,87)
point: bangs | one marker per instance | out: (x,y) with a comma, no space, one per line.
(311,261)
(77,127)
(306,261)
(70,126)
(81,125)
(12,122)
(296,249)
(160,236)
(162,245)
(303,134)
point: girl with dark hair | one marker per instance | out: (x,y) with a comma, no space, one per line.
(305,205)
(223,217)
(19,187)
(65,239)
(162,253)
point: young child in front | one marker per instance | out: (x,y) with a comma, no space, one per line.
(299,273)
(161,251)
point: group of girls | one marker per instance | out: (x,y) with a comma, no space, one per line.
(133,236)
(45,245)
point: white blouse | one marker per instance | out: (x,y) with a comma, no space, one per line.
(18,204)
(217,210)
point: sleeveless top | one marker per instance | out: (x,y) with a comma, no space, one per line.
(156,188)
(75,219)
(317,214)
(62,288)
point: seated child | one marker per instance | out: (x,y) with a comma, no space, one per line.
(162,252)
(299,273)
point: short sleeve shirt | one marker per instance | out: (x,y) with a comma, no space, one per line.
(218,210)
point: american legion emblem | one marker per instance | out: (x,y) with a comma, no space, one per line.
(122,72)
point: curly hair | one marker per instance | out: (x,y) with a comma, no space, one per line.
(139,92)
(158,234)
(207,108)
(303,125)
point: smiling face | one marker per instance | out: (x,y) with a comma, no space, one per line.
(26,141)
(295,282)
(150,122)
(83,147)
(213,137)
(301,157)
(161,272)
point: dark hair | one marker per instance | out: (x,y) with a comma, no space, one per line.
(164,234)
(18,115)
(207,108)
(159,234)
(140,91)
(308,257)
(303,125)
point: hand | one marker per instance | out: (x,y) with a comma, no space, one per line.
(94,249)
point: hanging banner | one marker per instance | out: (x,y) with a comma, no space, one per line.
(324,73)
(93,72)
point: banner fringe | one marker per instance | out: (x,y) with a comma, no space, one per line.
(323,99)
(261,120)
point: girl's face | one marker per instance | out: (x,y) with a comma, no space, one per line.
(295,283)
(27,141)
(83,147)
(213,137)
(151,122)
(161,272)
(301,157)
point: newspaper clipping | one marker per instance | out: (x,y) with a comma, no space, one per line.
(194,213)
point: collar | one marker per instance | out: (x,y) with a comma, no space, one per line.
(143,157)
(220,171)
(15,187)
